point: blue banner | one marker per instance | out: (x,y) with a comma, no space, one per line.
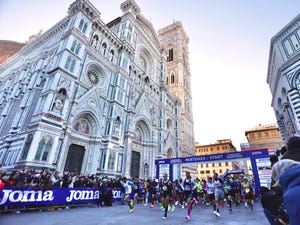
(214,157)
(10,196)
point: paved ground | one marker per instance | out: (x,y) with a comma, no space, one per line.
(143,215)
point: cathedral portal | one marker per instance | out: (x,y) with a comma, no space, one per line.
(74,159)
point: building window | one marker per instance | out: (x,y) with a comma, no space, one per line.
(252,135)
(120,162)
(259,135)
(220,164)
(104,48)
(172,78)
(70,64)
(44,148)
(170,56)
(102,159)
(82,26)
(111,160)
(226,163)
(111,55)
(26,147)
(266,134)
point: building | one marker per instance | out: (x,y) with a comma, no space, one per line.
(283,78)
(208,169)
(91,97)
(8,48)
(179,82)
(263,136)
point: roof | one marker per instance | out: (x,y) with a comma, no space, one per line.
(261,127)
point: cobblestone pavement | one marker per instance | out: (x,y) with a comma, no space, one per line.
(142,215)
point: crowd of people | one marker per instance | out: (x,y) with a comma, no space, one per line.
(280,202)
(184,192)
(45,179)
(189,192)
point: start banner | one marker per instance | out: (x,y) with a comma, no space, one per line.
(10,196)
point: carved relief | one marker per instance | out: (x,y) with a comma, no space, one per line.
(58,105)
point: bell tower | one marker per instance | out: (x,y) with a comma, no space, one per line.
(178,79)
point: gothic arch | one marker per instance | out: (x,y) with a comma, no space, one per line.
(295,82)
(140,158)
(146,60)
(142,131)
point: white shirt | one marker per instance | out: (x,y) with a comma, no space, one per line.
(128,188)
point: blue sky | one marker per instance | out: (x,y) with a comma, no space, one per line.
(229,51)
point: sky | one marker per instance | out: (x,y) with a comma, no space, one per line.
(228,51)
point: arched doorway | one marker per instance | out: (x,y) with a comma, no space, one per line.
(74,159)
(140,150)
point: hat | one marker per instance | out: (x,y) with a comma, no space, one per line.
(293,145)
(280,167)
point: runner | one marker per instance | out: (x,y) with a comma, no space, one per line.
(210,192)
(219,193)
(229,189)
(188,185)
(152,192)
(248,192)
(178,193)
(166,187)
(129,194)
(198,192)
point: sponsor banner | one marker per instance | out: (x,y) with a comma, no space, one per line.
(215,157)
(10,196)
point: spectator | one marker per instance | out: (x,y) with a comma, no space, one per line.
(278,172)
(290,184)
(293,149)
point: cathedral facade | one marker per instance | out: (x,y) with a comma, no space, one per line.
(283,78)
(96,98)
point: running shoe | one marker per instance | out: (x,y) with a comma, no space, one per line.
(215,212)
(230,209)
(146,204)
(218,214)
(187,217)
(131,210)
(246,205)
(164,217)
(151,206)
